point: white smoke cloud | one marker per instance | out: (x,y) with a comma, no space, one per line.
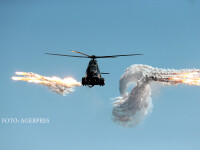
(131,108)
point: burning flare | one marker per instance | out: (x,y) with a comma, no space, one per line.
(131,108)
(60,86)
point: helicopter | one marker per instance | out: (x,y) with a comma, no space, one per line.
(92,74)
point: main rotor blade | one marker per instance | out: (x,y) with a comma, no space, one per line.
(80,53)
(66,55)
(114,56)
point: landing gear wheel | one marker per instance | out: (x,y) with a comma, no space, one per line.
(102,83)
(83,81)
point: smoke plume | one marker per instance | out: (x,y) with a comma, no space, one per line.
(60,86)
(131,108)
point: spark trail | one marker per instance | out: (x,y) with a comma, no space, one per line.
(60,86)
(131,108)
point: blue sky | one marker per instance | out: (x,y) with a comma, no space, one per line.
(166,31)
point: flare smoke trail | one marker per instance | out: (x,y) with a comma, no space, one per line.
(60,86)
(131,108)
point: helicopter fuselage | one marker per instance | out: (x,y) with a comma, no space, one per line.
(93,75)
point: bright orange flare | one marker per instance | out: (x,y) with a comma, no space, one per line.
(35,78)
(192,78)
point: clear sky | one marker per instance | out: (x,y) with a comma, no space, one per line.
(166,31)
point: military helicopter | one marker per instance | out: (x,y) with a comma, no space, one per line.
(92,74)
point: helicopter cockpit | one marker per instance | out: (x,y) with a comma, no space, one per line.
(92,69)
